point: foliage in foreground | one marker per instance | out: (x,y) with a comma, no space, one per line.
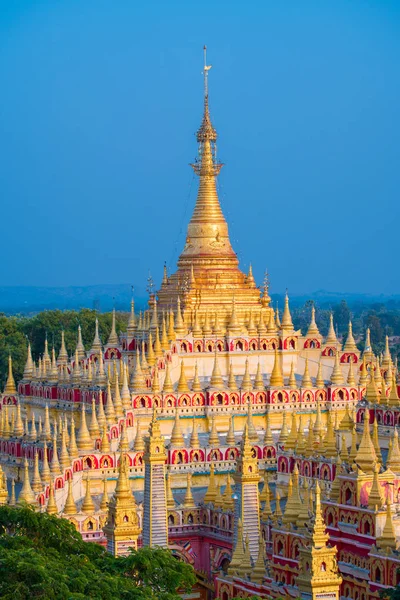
(44,557)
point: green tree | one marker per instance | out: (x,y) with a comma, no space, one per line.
(44,557)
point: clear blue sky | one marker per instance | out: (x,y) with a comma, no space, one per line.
(100,101)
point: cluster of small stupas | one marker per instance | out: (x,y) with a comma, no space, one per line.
(266,458)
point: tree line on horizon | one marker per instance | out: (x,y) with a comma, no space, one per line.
(17,330)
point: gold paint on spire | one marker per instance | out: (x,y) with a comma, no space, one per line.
(211,492)
(45,472)
(51,507)
(331,339)
(216,380)
(283,435)
(138,444)
(287,323)
(183,386)
(70,506)
(375,498)
(366,455)
(26,494)
(388,538)
(276,379)
(36,480)
(194,438)
(177,440)
(188,501)
(113,337)
(213,440)
(230,437)
(337,374)
(84,440)
(232,385)
(350,345)
(306,380)
(88,504)
(246,384)
(10,383)
(393,461)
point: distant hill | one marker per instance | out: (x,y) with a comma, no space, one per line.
(32,299)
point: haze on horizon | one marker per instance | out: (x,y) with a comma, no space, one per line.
(100,103)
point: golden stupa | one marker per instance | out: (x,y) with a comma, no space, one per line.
(208,278)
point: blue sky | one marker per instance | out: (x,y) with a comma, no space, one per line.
(99,105)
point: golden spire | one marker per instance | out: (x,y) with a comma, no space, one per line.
(232,385)
(28,370)
(350,345)
(251,430)
(350,376)
(375,441)
(293,504)
(268,439)
(109,411)
(388,540)
(276,379)
(337,374)
(183,386)
(393,461)
(151,357)
(113,337)
(238,553)
(63,354)
(230,437)
(138,444)
(88,504)
(292,437)
(19,426)
(105,442)
(347,422)
(206,325)
(158,351)
(216,380)
(194,438)
(36,480)
(271,322)
(65,460)
(371,392)
(283,435)
(366,455)
(393,396)
(70,506)
(331,339)
(258,381)
(171,326)
(73,448)
(155,386)
(170,496)
(179,323)
(375,499)
(101,377)
(287,317)
(26,494)
(13,500)
(164,336)
(213,440)
(319,537)
(278,510)
(55,468)
(45,472)
(96,344)
(196,385)
(123,442)
(10,388)
(217,329)
(119,409)
(138,379)
(306,381)
(211,492)
(292,377)
(312,328)
(101,416)
(251,328)
(177,440)
(229,503)
(51,507)
(246,381)
(233,325)
(188,501)
(277,319)
(125,393)
(344,454)
(84,440)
